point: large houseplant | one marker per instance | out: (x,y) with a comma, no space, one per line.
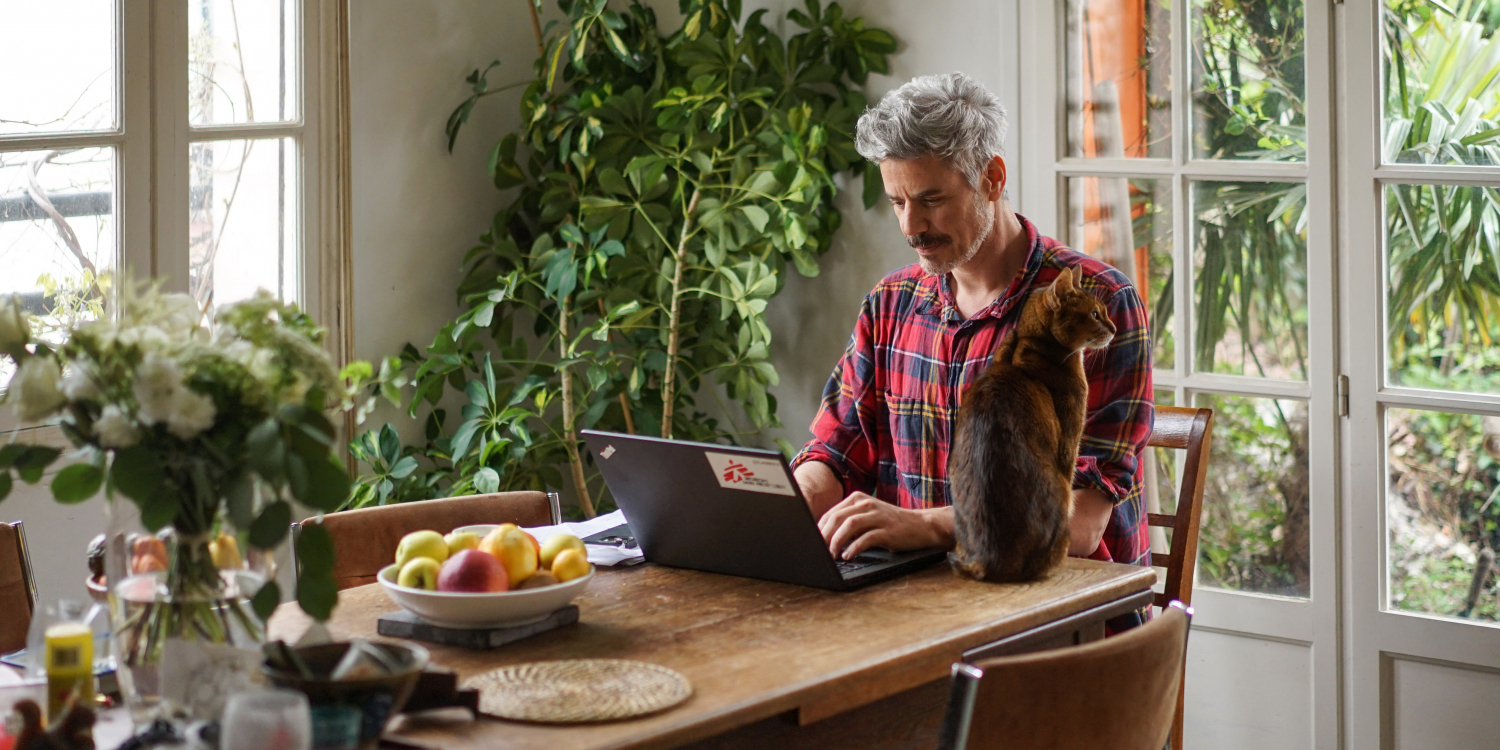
(664,183)
(210,429)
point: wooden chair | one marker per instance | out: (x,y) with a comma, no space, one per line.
(365,540)
(1115,693)
(17,587)
(1189,430)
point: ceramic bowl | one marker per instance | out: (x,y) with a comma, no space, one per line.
(482,529)
(460,609)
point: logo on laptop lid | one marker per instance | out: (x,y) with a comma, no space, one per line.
(749,473)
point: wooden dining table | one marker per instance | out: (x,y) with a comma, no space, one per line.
(771,664)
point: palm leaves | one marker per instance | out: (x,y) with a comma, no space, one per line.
(1442,102)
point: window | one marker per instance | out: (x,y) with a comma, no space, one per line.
(1184,167)
(211,179)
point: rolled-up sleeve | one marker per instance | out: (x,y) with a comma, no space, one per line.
(845,428)
(1120,409)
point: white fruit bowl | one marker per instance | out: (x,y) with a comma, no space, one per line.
(460,609)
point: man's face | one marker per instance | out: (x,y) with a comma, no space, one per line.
(943,218)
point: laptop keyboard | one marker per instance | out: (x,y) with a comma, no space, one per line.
(858,563)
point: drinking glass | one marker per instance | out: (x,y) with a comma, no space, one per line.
(266,720)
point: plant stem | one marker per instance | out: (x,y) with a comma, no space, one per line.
(669,376)
(570,439)
(536,27)
(624,401)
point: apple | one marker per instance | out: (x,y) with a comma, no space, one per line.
(515,549)
(569,564)
(419,573)
(421,544)
(558,544)
(472,570)
(461,540)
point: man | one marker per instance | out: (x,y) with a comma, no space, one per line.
(875,472)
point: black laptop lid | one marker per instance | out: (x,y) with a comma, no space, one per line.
(714,508)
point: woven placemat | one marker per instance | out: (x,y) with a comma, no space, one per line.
(579,690)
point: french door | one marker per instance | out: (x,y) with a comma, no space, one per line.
(1420,281)
(1194,151)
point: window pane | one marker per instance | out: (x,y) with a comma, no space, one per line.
(1127,223)
(243,220)
(1248,80)
(57,235)
(1441,511)
(1250,285)
(242,61)
(1120,78)
(59,63)
(1443,287)
(1254,535)
(1440,76)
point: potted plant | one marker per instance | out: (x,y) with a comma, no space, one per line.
(210,429)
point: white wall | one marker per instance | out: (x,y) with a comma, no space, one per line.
(417,209)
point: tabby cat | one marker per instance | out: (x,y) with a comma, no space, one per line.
(1016,438)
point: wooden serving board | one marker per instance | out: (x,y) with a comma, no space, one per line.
(403,624)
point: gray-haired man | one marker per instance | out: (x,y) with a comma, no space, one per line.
(875,473)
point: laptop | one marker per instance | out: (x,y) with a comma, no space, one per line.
(730,510)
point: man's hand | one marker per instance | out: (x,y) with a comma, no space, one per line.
(861,522)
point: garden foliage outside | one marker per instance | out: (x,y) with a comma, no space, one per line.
(664,184)
(1442,107)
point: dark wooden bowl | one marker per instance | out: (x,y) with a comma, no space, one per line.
(376,699)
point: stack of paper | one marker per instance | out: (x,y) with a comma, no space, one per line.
(599,554)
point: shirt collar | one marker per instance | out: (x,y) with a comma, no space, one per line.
(937,291)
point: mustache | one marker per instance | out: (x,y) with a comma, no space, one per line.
(927,239)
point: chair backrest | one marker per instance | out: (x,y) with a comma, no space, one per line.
(17,587)
(1189,430)
(365,540)
(1118,693)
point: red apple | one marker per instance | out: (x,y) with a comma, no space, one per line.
(471,570)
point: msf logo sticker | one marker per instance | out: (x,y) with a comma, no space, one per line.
(737,472)
(749,473)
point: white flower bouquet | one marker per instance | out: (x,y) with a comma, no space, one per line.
(210,430)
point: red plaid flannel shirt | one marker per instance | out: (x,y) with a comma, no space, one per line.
(885,424)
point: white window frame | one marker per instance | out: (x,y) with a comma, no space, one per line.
(1044,171)
(151,180)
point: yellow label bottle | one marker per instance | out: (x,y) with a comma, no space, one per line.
(70,667)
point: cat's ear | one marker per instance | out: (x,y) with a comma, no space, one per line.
(1051,296)
(1068,278)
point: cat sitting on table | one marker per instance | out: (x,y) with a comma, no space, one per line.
(1016,438)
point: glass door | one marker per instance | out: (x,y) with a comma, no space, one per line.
(1423,328)
(1193,153)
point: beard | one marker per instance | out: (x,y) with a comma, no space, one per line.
(980,214)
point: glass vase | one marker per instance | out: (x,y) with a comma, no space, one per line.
(184,633)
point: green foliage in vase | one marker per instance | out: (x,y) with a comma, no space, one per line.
(206,430)
(664,185)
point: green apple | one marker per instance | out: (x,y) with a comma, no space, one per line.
(559,543)
(420,573)
(461,540)
(421,544)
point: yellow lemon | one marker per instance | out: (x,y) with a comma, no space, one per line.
(569,564)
